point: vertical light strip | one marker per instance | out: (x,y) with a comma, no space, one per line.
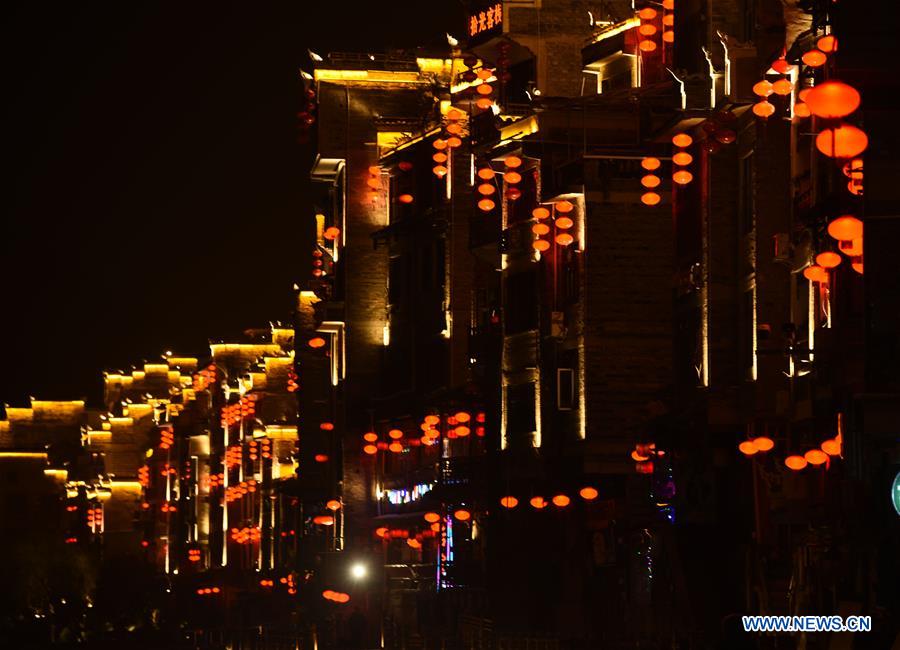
(537,408)
(754,359)
(811,319)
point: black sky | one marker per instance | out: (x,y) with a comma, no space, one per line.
(156,192)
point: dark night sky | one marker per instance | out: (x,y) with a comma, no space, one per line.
(156,193)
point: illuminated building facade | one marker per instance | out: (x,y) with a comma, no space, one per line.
(590,355)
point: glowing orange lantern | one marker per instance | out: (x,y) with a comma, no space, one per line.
(371,436)
(412,542)
(647,13)
(509,502)
(453,142)
(827,44)
(853,169)
(647,30)
(405,198)
(815,456)
(588,493)
(647,46)
(432,517)
(462,431)
(538,502)
(440,171)
(333,504)
(370,449)
(462,515)
(316,342)
(828,260)
(762,88)
(564,239)
(763,443)
(650,198)
(831,447)
(395,434)
(682,140)
(321,458)
(638,457)
(485,74)
(781,66)
(439,144)
(650,164)
(540,245)
(381,532)
(513,161)
(561,500)
(564,223)
(763,109)
(395,447)
(454,128)
(485,173)
(814,58)
(669,20)
(801,110)
(668,36)
(832,99)
(486,189)
(795,463)
(782,87)
(815,273)
(747,448)
(846,228)
(484,103)
(454,114)
(432,419)
(540,229)
(650,181)
(540,213)
(682,177)
(668,5)
(374,183)
(513,177)
(485,205)
(324,520)
(484,89)
(682,158)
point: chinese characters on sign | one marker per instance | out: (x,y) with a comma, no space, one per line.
(486,20)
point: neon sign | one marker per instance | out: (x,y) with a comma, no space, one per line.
(487,20)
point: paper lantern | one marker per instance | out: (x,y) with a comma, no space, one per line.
(485,205)
(828,259)
(814,58)
(333,504)
(371,450)
(395,434)
(827,44)
(405,165)
(815,273)
(588,493)
(782,87)
(462,515)
(509,502)
(513,161)
(564,239)
(405,198)
(412,542)
(815,456)
(846,228)
(540,245)
(781,66)
(453,142)
(513,177)
(647,30)
(454,114)
(440,171)
(795,463)
(486,189)
(650,164)
(747,448)
(668,36)
(561,500)
(682,140)
(564,223)
(395,447)
(801,110)
(316,342)
(763,443)
(832,99)
(647,46)
(682,177)
(650,198)
(682,158)
(485,74)
(564,207)
(762,88)
(484,89)
(831,447)
(454,128)
(484,103)
(485,173)
(540,213)
(763,109)
(538,503)
(647,13)
(431,517)
(439,144)
(540,229)
(650,181)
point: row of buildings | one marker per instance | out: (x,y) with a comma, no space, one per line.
(597,349)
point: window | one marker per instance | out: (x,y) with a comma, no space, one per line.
(565,389)
(520,302)
(520,412)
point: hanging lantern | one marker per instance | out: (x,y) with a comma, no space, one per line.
(382,531)
(513,194)
(647,46)
(846,228)
(763,109)
(540,213)
(462,515)
(682,158)
(540,245)
(486,189)
(682,140)
(763,443)
(650,181)
(509,502)
(432,517)
(801,110)
(453,142)
(564,223)
(831,447)
(564,239)
(561,500)
(454,128)
(815,457)
(440,171)
(513,161)
(647,30)
(333,505)
(395,434)
(564,207)
(484,103)
(781,66)
(668,36)
(814,58)
(647,13)
(832,99)
(828,259)
(827,44)
(412,542)
(669,20)
(485,73)
(650,164)
(485,205)
(747,448)
(316,342)
(439,144)
(324,520)
(485,173)
(782,87)
(762,88)
(374,183)
(682,177)
(650,198)
(395,447)
(668,5)
(853,169)
(588,493)
(538,503)
(371,450)
(513,177)
(432,419)
(815,273)
(484,89)
(454,114)
(405,198)
(795,463)
(332,233)
(540,229)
